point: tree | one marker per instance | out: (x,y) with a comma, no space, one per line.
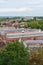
(15,53)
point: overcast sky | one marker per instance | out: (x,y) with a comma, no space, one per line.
(21,7)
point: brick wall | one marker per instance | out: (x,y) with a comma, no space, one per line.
(25,38)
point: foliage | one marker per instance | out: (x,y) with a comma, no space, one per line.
(34,24)
(36,56)
(15,53)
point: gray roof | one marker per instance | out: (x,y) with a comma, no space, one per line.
(34,41)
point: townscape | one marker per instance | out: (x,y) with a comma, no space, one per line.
(21,32)
(26,30)
(12,29)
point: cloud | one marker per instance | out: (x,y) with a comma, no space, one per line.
(35,3)
(3,1)
(15,9)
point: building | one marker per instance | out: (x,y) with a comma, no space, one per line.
(11,34)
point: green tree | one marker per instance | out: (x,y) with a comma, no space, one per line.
(15,53)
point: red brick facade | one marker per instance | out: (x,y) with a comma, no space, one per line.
(25,38)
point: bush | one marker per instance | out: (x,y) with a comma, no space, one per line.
(14,54)
(36,56)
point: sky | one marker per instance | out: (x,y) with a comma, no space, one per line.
(21,7)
